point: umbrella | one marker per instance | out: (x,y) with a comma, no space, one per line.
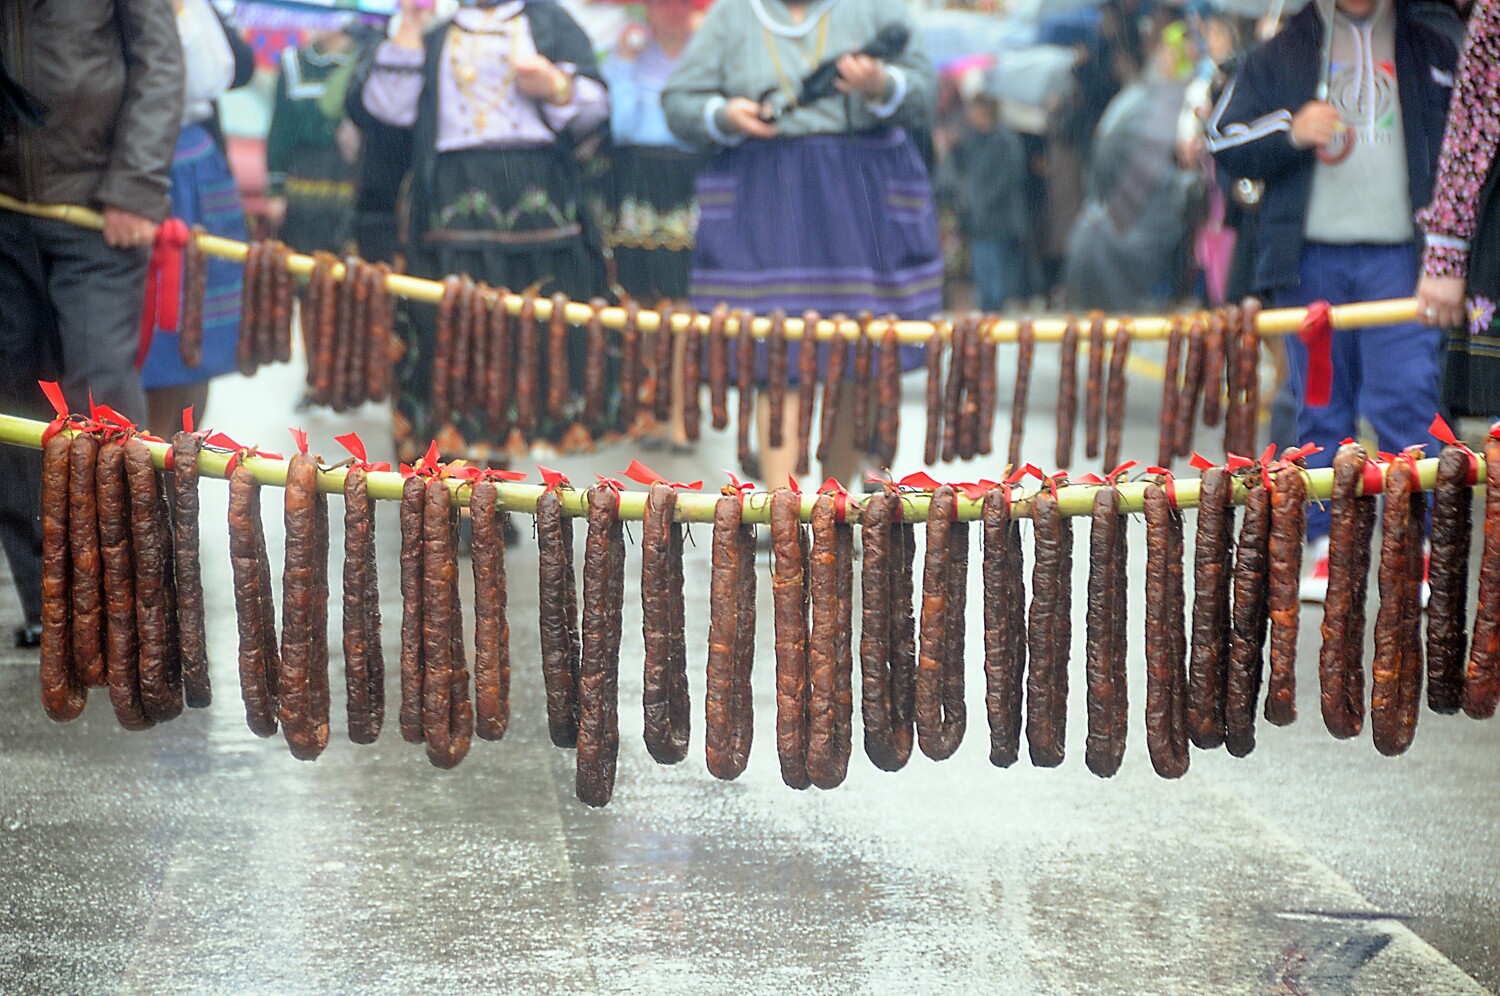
(1031,75)
(950,37)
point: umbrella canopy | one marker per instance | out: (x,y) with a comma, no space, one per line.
(1032,75)
(955,37)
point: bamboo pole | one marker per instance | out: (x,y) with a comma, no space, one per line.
(1282,321)
(1073,499)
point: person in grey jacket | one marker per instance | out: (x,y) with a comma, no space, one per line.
(109,75)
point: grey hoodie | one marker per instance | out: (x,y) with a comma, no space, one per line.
(1364,199)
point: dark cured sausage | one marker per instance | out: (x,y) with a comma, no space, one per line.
(903,636)
(940,713)
(881,731)
(499,387)
(121,649)
(1215,346)
(830,702)
(1093,399)
(1026,342)
(528,367)
(63,692)
(558,624)
(344,338)
(664,701)
(953,387)
(1288,535)
(1192,387)
(1248,358)
(1248,616)
(413,655)
(364,659)
(378,336)
(661,381)
(161,663)
(833,386)
(1396,674)
(1049,634)
(744,346)
(727,707)
(464,331)
(807,385)
(718,368)
(989,389)
(447,714)
(305,730)
(599,670)
(1105,661)
(934,440)
(1166,444)
(189,575)
(491,624)
(888,423)
(776,379)
(1341,676)
(692,379)
(442,355)
(1166,639)
(595,369)
(86,581)
(631,370)
(255,607)
(1482,677)
(1114,405)
(1004,627)
(281,307)
(307,319)
(244,351)
(864,367)
(327,331)
(1447,627)
(1213,568)
(559,376)
(789,598)
(1067,393)
(194,289)
(476,383)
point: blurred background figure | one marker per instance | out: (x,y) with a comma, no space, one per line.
(652,215)
(310,179)
(203,193)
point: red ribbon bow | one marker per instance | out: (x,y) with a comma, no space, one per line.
(840,496)
(222,442)
(1316,334)
(1169,485)
(356,447)
(552,479)
(642,474)
(163,284)
(1444,434)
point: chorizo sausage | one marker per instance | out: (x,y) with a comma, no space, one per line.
(188,570)
(306,733)
(728,708)
(889,422)
(903,641)
(1341,676)
(1067,392)
(281,306)
(378,335)
(244,351)
(789,597)
(665,686)
(875,629)
(807,389)
(328,331)
(1447,627)
(447,715)
(630,367)
(528,367)
(934,354)
(559,374)
(344,334)
(1114,407)
(1004,627)
(692,379)
(1026,343)
(122,658)
(1288,535)
(1249,367)
(364,659)
(744,346)
(1166,444)
(827,737)
(194,289)
(989,389)
(463,343)
(864,368)
(86,580)
(499,378)
(491,626)
(1166,639)
(443,346)
(595,369)
(1192,387)
(776,379)
(63,691)
(259,659)
(968,415)
(1104,660)
(161,682)
(413,653)
(661,380)
(1093,399)
(308,309)
(833,386)
(939,705)
(953,388)
(1248,623)
(1213,558)
(558,624)
(1396,675)
(1049,634)
(718,368)
(599,670)
(1215,344)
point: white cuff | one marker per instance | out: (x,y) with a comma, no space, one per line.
(889,106)
(711,124)
(1447,242)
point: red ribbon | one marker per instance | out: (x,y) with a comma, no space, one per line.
(737,487)
(1169,485)
(300,437)
(1200,462)
(552,479)
(1316,334)
(642,474)
(921,481)
(1374,477)
(840,497)
(356,447)
(163,284)
(613,485)
(1444,433)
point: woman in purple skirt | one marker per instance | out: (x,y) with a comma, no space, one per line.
(824,206)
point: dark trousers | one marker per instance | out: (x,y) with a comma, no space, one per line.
(70,310)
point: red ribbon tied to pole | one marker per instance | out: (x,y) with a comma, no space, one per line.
(1316,334)
(163,284)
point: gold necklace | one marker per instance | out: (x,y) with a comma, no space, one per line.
(813,60)
(465,48)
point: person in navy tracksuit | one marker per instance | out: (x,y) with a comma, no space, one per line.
(1342,232)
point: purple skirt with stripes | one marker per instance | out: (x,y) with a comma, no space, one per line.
(831,223)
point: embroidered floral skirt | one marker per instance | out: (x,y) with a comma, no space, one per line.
(509,218)
(653,219)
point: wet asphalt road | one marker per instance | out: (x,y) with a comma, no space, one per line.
(196,858)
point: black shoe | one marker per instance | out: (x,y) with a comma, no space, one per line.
(29,636)
(509,530)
